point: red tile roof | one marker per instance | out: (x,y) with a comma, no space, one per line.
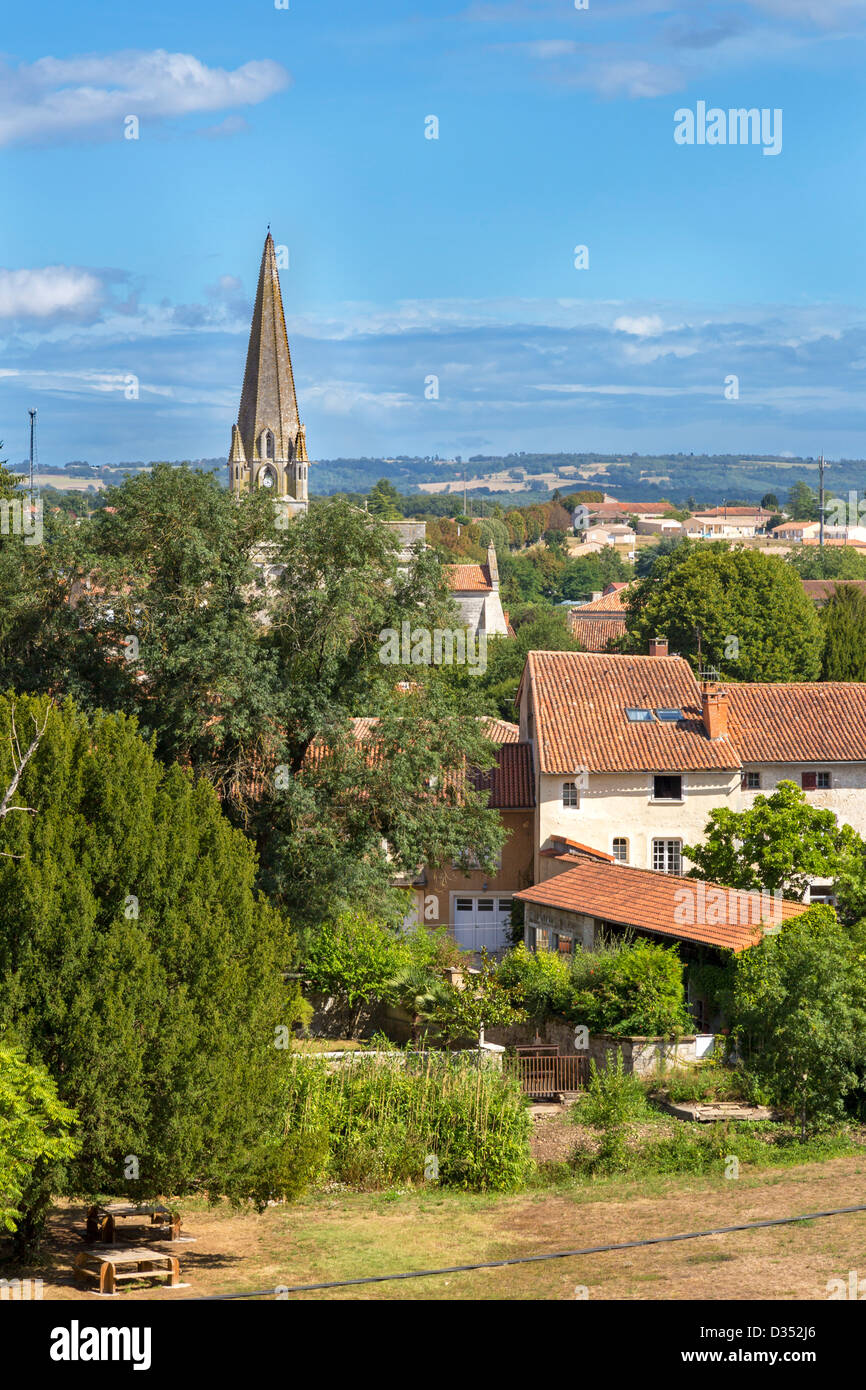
(580,707)
(595,634)
(463,579)
(822,590)
(500,731)
(801,722)
(683,908)
(613,600)
(510,780)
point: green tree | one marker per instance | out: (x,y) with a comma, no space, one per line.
(802,502)
(827,562)
(537,628)
(741,611)
(36,1140)
(770,502)
(799,1013)
(541,980)
(634,991)
(138,964)
(383,501)
(482,1001)
(844,622)
(779,844)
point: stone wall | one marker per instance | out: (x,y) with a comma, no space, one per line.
(644,1056)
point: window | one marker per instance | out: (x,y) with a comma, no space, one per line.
(569,794)
(822,893)
(484,905)
(464,904)
(667,788)
(505,905)
(815,781)
(639,716)
(620,850)
(751,782)
(542,939)
(668,856)
(669,716)
(565,945)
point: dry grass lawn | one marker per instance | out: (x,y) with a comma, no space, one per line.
(343,1235)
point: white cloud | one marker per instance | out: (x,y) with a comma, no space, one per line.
(64,98)
(50,291)
(648,326)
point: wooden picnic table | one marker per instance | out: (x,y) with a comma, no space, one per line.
(102,1219)
(108,1268)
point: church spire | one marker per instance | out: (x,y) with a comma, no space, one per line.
(265,442)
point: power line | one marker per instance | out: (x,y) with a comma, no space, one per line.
(533,1259)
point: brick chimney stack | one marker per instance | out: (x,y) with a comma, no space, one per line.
(714,707)
(658,646)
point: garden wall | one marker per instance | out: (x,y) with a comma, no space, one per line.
(643,1056)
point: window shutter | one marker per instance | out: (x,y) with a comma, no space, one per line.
(810,781)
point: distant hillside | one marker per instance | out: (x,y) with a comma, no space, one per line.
(515,479)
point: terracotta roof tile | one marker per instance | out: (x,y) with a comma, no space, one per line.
(581,700)
(820,591)
(802,722)
(500,731)
(595,634)
(613,600)
(683,908)
(468,579)
(510,780)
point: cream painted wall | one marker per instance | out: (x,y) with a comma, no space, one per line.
(621,805)
(846,796)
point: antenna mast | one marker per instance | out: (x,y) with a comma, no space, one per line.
(821,467)
(34,466)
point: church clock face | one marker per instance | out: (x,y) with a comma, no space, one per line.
(268,479)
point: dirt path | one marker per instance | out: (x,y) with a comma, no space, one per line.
(346,1235)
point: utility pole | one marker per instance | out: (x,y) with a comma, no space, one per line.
(821,501)
(32,414)
(465,513)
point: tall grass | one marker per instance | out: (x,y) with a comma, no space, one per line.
(411,1120)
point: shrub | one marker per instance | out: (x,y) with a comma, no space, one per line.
(542,979)
(613,1097)
(410,1120)
(634,991)
(36,1140)
(799,1013)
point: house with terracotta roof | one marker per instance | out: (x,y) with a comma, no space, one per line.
(475,590)
(631,753)
(597,624)
(475,905)
(595,896)
(728,522)
(821,591)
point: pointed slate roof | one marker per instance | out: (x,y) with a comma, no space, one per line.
(268,399)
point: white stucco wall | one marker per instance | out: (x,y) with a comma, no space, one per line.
(846,796)
(621,805)
(482,612)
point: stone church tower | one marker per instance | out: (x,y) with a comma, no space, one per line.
(269,447)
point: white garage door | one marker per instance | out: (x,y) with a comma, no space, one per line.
(481,921)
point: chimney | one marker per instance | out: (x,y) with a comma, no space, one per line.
(658,646)
(492,566)
(714,707)
(596,595)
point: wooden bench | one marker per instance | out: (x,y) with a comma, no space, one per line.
(108,1268)
(102,1220)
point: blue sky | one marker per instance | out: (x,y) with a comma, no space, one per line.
(453,257)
